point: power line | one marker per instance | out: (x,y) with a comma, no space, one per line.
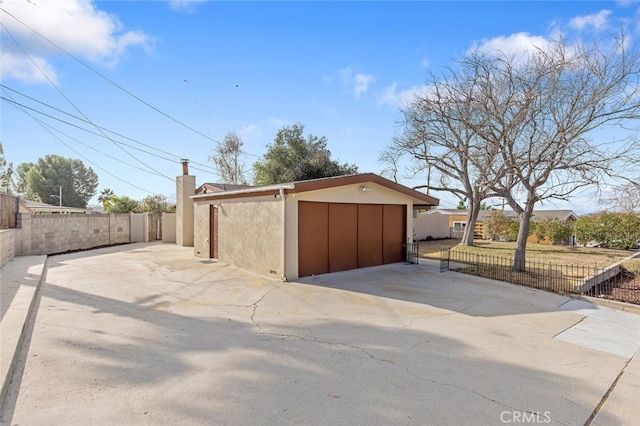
(24,107)
(69,100)
(89,121)
(109,80)
(101,127)
(44,126)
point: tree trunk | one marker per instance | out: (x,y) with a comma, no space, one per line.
(472,218)
(520,255)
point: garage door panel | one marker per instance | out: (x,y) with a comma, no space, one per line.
(336,237)
(343,237)
(369,235)
(313,238)
(393,233)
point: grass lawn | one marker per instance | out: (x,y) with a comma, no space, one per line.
(561,255)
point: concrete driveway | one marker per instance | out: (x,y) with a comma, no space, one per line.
(149,334)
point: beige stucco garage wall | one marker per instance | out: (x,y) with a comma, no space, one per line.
(250,233)
(436,225)
(376,194)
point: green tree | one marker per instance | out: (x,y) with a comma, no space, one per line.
(42,180)
(553,229)
(6,173)
(498,226)
(156,204)
(124,204)
(609,229)
(106,198)
(586,229)
(560,231)
(21,178)
(292,158)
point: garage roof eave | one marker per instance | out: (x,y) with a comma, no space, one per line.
(257,190)
(419,198)
(421,205)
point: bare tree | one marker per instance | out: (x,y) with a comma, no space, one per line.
(391,158)
(566,92)
(520,127)
(625,197)
(227,160)
(442,135)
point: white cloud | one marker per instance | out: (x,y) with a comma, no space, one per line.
(361,83)
(247,131)
(76,26)
(401,99)
(513,45)
(25,70)
(185,5)
(357,82)
(598,21)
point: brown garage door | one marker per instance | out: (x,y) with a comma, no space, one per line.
(369,235)
(343,237)
(336,237)
(313,238)
(393,226)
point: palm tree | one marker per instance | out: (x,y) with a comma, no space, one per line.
(106,198)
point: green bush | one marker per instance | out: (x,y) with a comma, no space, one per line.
(609,229)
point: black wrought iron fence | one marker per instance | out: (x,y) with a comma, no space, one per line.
(412,252)
(613,283)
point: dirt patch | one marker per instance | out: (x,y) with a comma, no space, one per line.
(433,248)
(623,288)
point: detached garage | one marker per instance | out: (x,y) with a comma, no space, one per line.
(307,228)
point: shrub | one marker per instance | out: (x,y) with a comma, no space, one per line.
(609,229)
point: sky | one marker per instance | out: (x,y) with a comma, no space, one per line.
(132,87)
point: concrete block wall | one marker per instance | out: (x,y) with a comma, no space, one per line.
(7,245)
(47,234)
(119,228)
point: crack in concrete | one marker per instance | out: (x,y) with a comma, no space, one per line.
(406,369)
(256,303)
(495,401)
(570,327)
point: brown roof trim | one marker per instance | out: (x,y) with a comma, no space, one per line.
(226,195)
(323,183)
(313,185)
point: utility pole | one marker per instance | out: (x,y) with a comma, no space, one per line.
(60,196)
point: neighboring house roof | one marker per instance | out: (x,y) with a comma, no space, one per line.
(563,215)
(555,214)
(219,187)
(95,209)
(419,199)
(34,207)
